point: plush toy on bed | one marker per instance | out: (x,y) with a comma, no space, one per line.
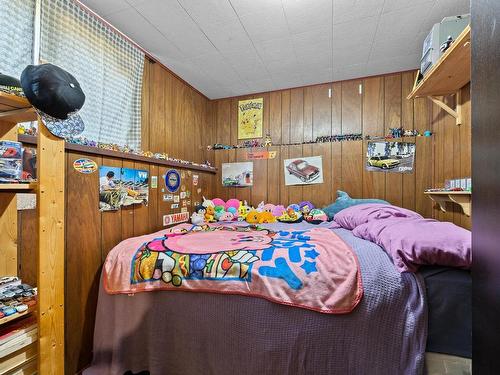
(252,217)
(305,208)
(344,201)
(278,210)
(266,217)
(198,216)
(227,216)
(294,207)
(242,212)
(268,207)
(232,204)
(290,216)
(260,207)
(219,202)
(316,216)
(207,202)
(209,214)
(218,212)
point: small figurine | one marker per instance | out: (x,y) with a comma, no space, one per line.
(427,133)
(447,43)
(268,142)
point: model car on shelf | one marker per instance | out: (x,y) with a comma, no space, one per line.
(383,162)
(303,170)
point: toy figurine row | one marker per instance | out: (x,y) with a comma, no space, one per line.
(214,210)
(114,147)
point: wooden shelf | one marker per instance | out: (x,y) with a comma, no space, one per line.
(10,318)
(451,72)
(462,198)
(20,187)
(15,109)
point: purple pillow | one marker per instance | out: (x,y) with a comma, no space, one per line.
(353,216)
(412,242)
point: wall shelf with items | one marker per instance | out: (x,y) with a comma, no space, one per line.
(448,76)
(49,352)
(462,198)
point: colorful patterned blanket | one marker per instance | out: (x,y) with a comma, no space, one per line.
(312,269)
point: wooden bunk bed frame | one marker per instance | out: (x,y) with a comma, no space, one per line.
(46,357)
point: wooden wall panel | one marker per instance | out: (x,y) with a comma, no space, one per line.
(302,114)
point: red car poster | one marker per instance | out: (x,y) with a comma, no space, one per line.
(304,171)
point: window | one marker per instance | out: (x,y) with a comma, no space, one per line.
(108,67)
(16,38)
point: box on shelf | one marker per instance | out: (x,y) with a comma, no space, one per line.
(11,150)
(11,161)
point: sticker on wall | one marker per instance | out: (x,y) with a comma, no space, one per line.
(183,188)
(184,204)
(175,218)
(250,118)
(259,155)
(168,197)
(85,166)
(395,157)
(196,203)
(176,199)
(237,174)
(172,180)
(184,209)
(183,195)
(303,171)
(189,173)
(154,182)
(174,206)
(183,174)
(188,203)
(188,194)
(198,190)
(195,180)
(26,201)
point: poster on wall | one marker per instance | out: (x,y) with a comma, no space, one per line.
(304,171)
(237,174)
(396,157)
(250,114)
(122,187)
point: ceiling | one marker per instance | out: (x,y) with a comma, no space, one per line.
(232,47)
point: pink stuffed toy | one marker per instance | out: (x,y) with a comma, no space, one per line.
(218,202)
(269,207)
(232,203)
(227,216)
(279,210)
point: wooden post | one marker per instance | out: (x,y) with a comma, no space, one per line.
(50,206)
(8,215)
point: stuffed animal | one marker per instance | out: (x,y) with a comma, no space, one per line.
(278,210)
(317,216)
(260,207)
(207,202)
(197,218)
(252,217)
(235,203)
(269,207)
(218,212)
(200,210)
(290,216)
(227,216)
(266,217)
(294,207)
(209,214)
(242,212)
(233,210)
(219,202)
(306,207)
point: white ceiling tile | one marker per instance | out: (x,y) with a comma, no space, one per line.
(209,11)
(276,50)
(244,7)
(267,24)
(106,7)
(401,23)
(228,37)
(256,71)
(302,18)
(349,10)
(315,37)
(392,5)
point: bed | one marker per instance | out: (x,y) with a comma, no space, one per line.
(186,332)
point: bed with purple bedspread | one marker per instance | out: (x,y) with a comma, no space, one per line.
(169,333)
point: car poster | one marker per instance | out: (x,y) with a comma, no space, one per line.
(304,171)
(122,187)
(250,114)
(237,174)
(395,157)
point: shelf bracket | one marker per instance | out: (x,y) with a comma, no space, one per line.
(455,113)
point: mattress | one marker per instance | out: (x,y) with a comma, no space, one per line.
(450,313)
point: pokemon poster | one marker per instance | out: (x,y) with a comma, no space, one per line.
(250,114)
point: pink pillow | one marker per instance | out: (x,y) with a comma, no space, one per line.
(351,217)
(412,242)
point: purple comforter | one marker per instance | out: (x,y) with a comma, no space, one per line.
(171,333)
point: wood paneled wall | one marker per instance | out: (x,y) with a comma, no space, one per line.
(175,118)
(370,106)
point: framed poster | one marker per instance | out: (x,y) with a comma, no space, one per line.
(395,157)
(304,171)
(250,114)
(237,174)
